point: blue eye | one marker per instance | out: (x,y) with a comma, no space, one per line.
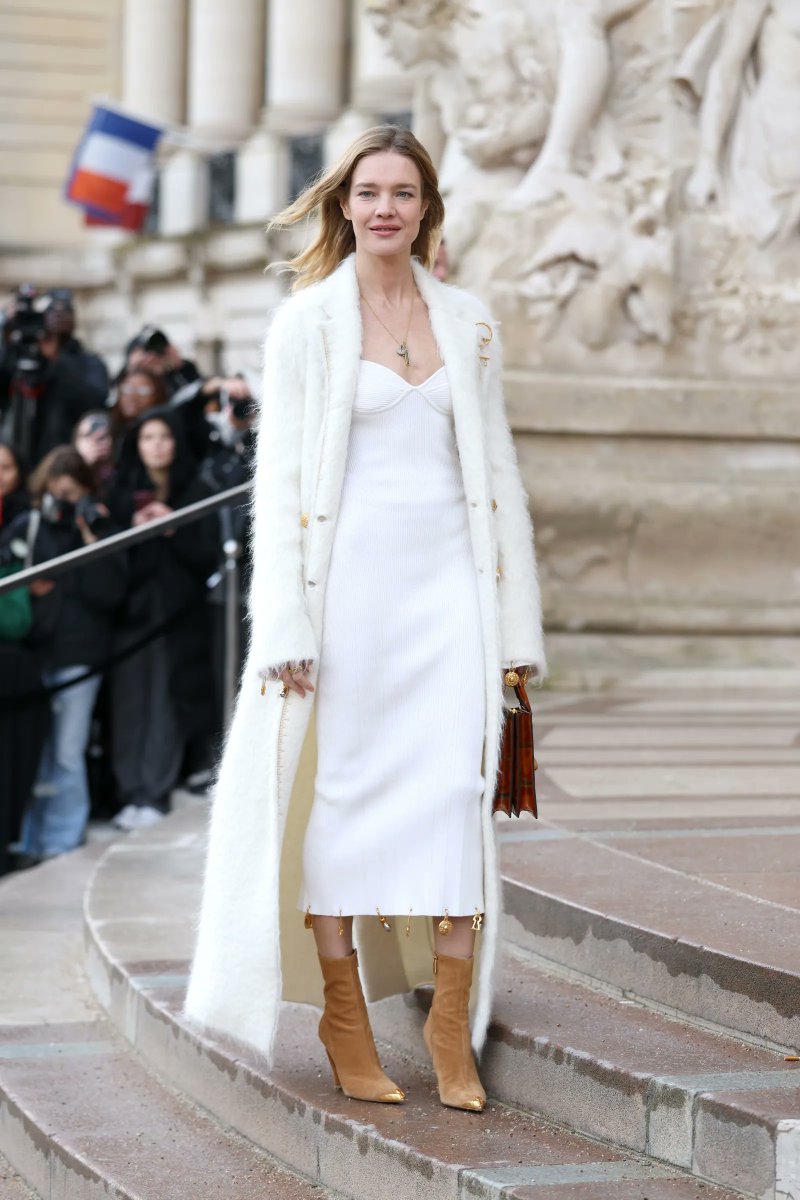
(365,193)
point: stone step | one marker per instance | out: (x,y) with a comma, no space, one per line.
(81,1117)
(355,1149)
(669,938)
(610,1069)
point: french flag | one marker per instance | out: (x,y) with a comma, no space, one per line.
(112,173)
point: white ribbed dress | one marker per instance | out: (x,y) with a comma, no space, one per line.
(395,821)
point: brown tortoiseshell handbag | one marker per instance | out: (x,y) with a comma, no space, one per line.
(516,782)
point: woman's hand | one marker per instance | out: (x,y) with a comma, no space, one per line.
(151,512)
(41,587)
(300,682)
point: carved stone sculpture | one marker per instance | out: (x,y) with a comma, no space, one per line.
(622,177)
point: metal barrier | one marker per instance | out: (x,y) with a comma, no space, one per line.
(231,551)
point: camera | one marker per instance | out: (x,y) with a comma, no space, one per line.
(151,339)
(64,512)
(95,515)
(26,328)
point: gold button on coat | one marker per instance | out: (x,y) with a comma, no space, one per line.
(304,520)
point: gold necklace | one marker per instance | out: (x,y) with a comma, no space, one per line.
(402,349)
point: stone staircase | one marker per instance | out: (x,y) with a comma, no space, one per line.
(646,1011)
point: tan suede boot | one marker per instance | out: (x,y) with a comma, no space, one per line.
(345,1033)
(447,1035)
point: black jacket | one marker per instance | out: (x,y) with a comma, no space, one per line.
(72,625)
(168,574)
(58,398)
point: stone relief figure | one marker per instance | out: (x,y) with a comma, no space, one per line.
(743,70)
(578,110)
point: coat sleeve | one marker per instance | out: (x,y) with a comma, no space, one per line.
(519,599)
(280,627)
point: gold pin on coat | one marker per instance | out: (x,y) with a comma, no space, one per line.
(386,925)
(485,341)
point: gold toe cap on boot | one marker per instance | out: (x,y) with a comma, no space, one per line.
(395,1097)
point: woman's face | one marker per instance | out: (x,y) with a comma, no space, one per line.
(156,446)
(9,472)
(135,395)
(64,487)
(385,204)
(93,440)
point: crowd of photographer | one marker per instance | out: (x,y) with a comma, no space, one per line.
(120,657)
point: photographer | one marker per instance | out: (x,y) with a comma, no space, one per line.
(71,631)
(93,440)
(151,351)
(59,320)
(43,387)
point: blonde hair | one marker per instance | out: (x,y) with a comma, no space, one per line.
(335,239)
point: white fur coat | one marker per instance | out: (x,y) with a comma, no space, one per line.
(251,947)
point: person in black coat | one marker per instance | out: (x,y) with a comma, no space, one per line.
(72,635)
(162,695)
(14,498)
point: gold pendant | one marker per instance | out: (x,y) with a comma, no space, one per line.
(383,920)
(341,924)
(402,350)
(445,925)
(477,921)
(309,920)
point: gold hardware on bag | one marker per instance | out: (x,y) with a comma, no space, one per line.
(477,921)
(445,925)
(436,964)
(309,920)
(383,920)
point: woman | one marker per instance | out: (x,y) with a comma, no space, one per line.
(71,631)
(137,392)
(161,694)
(387,499)
(14,498)
(93,440)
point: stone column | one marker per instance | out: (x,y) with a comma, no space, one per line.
(262,176)
(305,63)
(153,60)
(226,39)
(378,84)
(184,193)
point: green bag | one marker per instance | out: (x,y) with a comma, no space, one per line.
(16,610)
(16,614)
